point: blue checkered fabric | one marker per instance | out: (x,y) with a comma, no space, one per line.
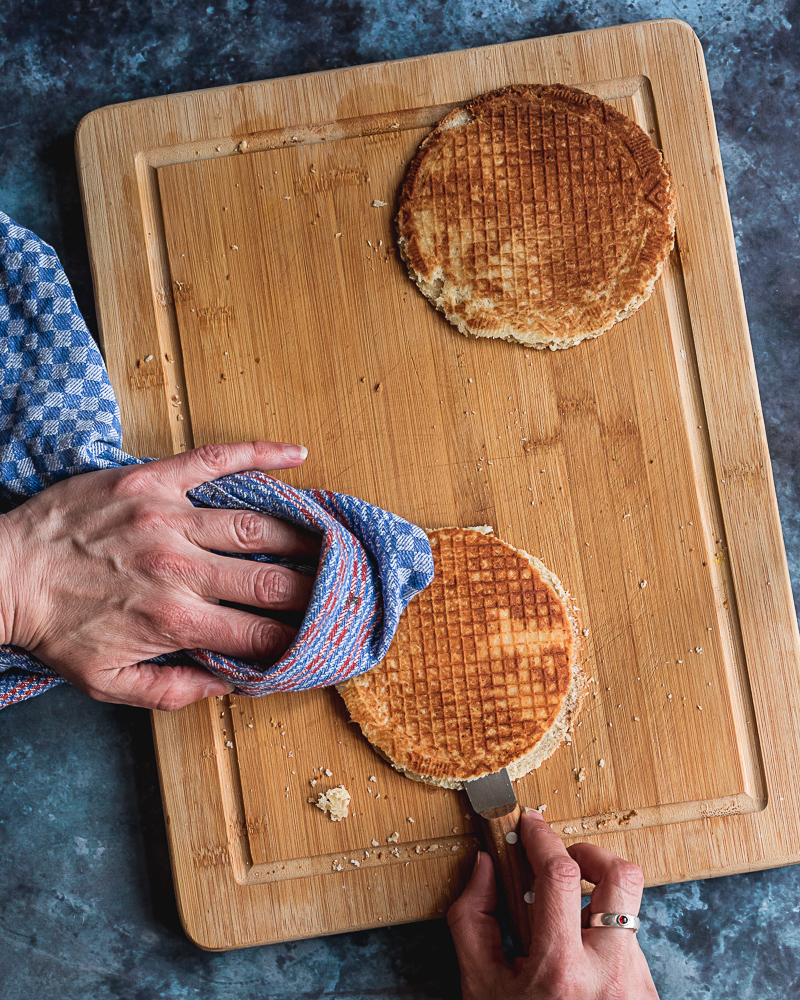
(59,417)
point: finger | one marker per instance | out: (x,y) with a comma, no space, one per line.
(236,633)
(148,685)
(557,903)
(476,934)
(248,531)
(261,585)
(201,465)
(618,883)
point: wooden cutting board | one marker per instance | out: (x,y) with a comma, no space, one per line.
(239,242)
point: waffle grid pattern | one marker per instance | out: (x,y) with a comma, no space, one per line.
(540,204)
(536,209)
(480,665)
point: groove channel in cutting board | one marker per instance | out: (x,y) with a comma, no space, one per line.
(298,322)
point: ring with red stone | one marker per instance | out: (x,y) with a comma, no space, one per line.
(624,921)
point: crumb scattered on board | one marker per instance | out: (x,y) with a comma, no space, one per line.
(336,803)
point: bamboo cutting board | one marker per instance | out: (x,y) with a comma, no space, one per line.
(239,237)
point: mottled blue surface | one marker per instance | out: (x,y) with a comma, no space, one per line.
(86,904)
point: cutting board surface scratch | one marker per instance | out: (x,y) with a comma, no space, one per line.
(267,285)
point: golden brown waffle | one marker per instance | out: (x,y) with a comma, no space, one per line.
(538,214)
(482,672)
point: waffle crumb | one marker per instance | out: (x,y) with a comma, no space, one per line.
(336,803)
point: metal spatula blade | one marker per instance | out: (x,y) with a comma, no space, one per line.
(491,791)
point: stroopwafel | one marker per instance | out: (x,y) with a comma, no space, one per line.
(483,670)
(537,214)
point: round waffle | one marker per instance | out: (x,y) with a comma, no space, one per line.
(483,670)
(537,214)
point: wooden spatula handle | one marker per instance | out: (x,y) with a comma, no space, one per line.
(511,865)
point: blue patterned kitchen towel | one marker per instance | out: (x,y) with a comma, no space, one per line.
(59,417)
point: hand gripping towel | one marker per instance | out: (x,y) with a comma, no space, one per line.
(59,417)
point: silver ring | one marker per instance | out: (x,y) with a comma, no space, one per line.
(625,921)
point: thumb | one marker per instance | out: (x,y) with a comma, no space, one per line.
(476,934)
(165,688)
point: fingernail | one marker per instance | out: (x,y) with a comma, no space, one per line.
(533,812)
(477,862)
(215,688)
(296,452)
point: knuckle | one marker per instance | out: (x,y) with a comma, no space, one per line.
(456,914)
(161,564)
(213,457)
(169,701)
(272,586)
(147,519)
(131,482)
(264,450)
(562,871)
(249,527)
(627,876)
(271,639)
(171,621)
(159,691)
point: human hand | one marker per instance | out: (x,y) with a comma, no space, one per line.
(568,960)
(107,569)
